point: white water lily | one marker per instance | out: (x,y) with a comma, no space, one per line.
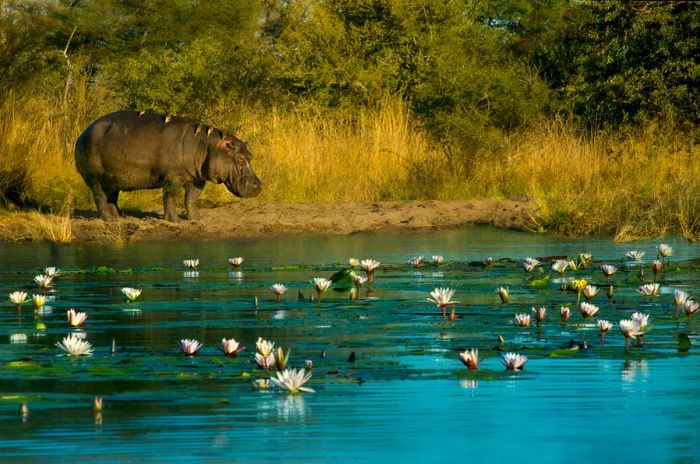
(354,262)
(564,313)
(470,358)
(74,345)
(635,255)
(649,289)
(442,297)
(503,294)
(680,297)
(657,266)
(191,263)
(608,270)
(630,329)
(514,361)
(488,261)
(130,293)
(237,261)
(561,265)
(522,319)
(52,272)
(590,291)
(585,258)
(642,320)
(438,259)
(230,347)
(690,307)
(587,309)
(43,281)
(665,250)
(265,361)
(358,279)
(38,301)
(322,285)
(18,298)
(530,264)
(293,380)
(369,266)
(417,261)
(604,325)
(279,290)
(18,338)
(264,347)
(75,318)
(189,347)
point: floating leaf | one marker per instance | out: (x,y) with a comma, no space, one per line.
(683,343)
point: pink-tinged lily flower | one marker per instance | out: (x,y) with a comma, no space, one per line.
(189,347)
(470,358)
(230,347)
(236,262)
(540,314)
(75,318)
(522,319)
(43,281)
(587,309)
(292,380)
(564,313)
(279,290)
(442,297)
(514,361)
(656,267)
(603,326)
(369,266)
(503,294)
(649,289)
(265,361)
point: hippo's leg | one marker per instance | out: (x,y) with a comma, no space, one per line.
(169,192)
(112,199)
(192,192)
(104,209)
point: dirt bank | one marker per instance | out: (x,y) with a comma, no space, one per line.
(249,218)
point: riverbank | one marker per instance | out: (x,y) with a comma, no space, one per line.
(251,218)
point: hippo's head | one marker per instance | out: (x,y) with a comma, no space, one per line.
(232,165)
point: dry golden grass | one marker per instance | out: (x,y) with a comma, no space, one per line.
(638,186)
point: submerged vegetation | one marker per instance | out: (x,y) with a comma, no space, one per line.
(586,108)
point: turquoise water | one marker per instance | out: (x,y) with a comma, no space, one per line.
(406,398)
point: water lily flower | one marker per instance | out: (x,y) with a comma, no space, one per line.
(629,329)
(282,358)
(488,261)
(635,255)
(514,361)
(665,250)
(503,293)
(611,292)
(236,262)
(560,265)
(656,267)
(279,290)
(131,294)
(589,292)
(470,358)
(358,280)
(189,347)
(649,289)
(642,320)
(680,296)
(587,309)
(322,285)
(585,258)
(18,299)
(417,261)
(97,404)
(438,259)
(191,263)
(52,272)
(230,347)
(38,301)
(354,262)
(265,361)
(530,264)
(540,314)
(369,266)
(603,326)
(43,281)
(292,380)
(75,318)
(522,319)
(442,297)
(690,307)
(74,345)
(264,347)
(573,265)
(564,313)
(608,270)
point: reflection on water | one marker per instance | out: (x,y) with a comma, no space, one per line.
(385,369)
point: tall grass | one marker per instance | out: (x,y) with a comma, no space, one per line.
(633,186)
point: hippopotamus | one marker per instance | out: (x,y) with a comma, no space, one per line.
(128,150)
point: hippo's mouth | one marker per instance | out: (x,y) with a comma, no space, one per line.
(245,189)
